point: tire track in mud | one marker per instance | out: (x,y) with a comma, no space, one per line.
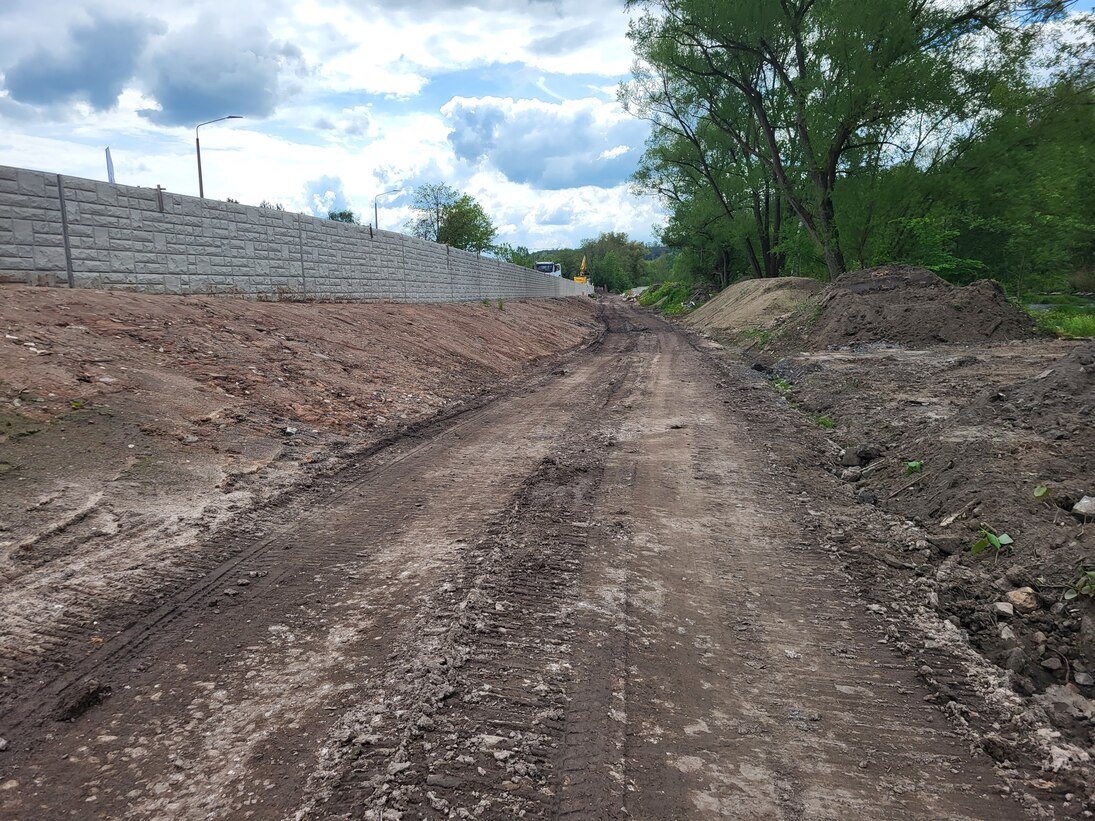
(471,721)
(575,604)
(338,589)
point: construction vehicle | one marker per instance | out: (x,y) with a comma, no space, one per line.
(550,268)
(583,274)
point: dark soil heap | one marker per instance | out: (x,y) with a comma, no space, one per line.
(907,306)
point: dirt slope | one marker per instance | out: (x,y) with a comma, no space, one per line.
(132,427)
(752,304)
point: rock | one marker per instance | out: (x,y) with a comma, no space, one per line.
(998,748)
(1003,608)
(945,543)
(3,744)
(1025,600)
(1083,679)
(290,431)
(447,781)
(1067,701)
(851,474)
(189,439)
(859,455)
(865,497)
(1052,663)
(1085,508)
(1017,660)
(1007,635)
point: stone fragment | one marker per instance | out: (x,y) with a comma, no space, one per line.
(1052,663)
(1085,508)
(859,455)
(1003,608)
(1025,600)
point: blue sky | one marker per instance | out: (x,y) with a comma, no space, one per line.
(512,101)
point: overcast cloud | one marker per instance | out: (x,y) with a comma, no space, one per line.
(512,102)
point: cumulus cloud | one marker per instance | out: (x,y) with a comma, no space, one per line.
(204,71)
(550,145)
(353,122)
(325,194)
(94,66)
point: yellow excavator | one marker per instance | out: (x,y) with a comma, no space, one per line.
(583,274)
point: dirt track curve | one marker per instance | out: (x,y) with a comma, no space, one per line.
(591,599)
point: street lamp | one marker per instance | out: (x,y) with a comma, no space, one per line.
(376,217)
(198,147)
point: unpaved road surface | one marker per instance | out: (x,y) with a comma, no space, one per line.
(605,595)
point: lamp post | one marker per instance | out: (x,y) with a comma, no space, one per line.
(198,147)
(376,216)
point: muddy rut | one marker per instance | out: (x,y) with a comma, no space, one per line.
(594,598)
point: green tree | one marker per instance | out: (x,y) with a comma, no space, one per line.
(345,215)
(515,255)
(443,214)
(815,90)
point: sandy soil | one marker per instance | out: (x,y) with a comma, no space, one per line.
(632,585)
(135,428)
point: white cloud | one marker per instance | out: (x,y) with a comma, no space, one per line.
(373,95)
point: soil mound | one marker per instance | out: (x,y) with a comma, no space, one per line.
(753,304)
(907,306)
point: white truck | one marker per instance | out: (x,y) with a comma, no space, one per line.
(551,268)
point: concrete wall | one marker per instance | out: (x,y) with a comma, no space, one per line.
(58,230)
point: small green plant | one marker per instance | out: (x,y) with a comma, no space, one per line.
(781,384)
(826,422)
(501,307)
(914,466)
(1082,585)
(762,337)
(1044,494)
(76,404)
(486,302)
(990,540)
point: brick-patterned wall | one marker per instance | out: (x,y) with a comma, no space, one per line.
(123,237)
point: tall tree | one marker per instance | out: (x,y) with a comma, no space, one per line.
(811,89)
(443,214)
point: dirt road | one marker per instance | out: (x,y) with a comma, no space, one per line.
(603,596)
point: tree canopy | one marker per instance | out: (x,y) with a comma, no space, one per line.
(443,214)
(805,136)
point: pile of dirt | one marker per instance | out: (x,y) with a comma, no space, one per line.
(907,306)
(959,443)
(753,304)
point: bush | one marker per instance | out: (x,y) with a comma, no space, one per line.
(669,297)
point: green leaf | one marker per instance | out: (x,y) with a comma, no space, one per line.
(993,540)
(1040,491)
(1071,593)
(1004,538)
(980,546)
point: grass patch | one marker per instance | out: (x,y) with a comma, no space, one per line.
(1068,320)
(669,298)
(826,422)
(761,337)
(781,384)
(1057,299)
